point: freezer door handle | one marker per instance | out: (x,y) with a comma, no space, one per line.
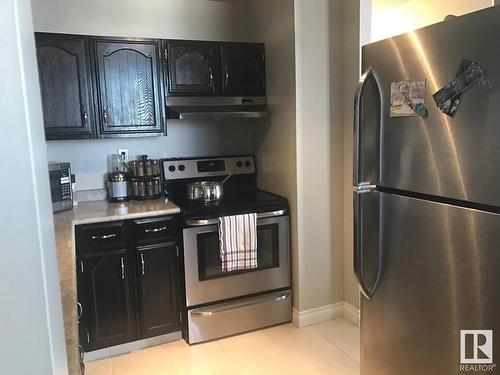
(358,139)
(368,291)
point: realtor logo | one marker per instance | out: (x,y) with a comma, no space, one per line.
(476,346)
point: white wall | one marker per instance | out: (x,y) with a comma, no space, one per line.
(30,309)
(272,23)
(350,67)
(314,167)
(392,20)
(185,19)
(193,19)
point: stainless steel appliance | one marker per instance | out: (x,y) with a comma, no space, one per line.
(208,191)
(60,186)
(118,180)
(224,303)
(427,204)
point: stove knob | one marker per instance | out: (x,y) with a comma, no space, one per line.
(182,167)
(248,164)
(239,164)
(171,168)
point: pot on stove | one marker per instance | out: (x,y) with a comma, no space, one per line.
(208,191)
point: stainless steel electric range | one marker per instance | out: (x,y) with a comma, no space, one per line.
(221,303)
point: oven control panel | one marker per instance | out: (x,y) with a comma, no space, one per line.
(175,169)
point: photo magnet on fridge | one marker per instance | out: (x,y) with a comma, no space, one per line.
(408,98)
(448,98)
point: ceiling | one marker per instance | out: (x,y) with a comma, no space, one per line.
(385,4)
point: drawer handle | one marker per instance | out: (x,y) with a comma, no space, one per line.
(235,306)
(142,264)
(104,237)
(155,230)
(122,263)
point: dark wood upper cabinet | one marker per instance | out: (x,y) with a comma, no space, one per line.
(129,86)
(104,292)
(158,289)
(192,68)
(108,87)
(65,84)
(243,69)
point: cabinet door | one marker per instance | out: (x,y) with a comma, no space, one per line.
(243,69)
(158,289)
(104,292)
(65,86)
(129,87)
(191,68)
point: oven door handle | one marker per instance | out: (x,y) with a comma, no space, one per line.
(234,306)
(203,222)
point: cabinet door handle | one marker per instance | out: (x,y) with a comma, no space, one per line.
(104,237)
(211,77)
(80,309)
(155,230)
(142,264)
(226,71)
(123,267)
(105,116)
(85,117)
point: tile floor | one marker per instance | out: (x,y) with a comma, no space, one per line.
(326,348)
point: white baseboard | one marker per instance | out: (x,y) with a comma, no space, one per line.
(131,346)
(318,314)
(351,313)
(325,313)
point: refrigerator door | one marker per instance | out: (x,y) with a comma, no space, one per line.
(368,106)
(439,155)
(440,275)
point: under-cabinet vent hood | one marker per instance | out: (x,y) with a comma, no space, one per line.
(215,107)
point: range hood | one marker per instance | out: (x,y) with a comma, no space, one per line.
(215,107)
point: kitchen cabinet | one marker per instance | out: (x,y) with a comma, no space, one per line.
(191,68)
(65,85)
(105,297)
(243,69)
(129,87)
(197,68)
(107,87)
(158,289)
(128,280)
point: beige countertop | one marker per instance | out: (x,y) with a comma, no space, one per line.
(64,223)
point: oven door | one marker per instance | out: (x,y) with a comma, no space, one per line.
(205,280)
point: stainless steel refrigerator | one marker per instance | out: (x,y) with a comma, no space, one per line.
(427,201)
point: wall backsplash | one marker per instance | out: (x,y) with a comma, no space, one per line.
(89,158)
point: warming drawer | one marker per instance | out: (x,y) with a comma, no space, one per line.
(229,318)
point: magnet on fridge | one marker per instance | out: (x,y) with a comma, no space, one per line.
(408,98)
(469,72)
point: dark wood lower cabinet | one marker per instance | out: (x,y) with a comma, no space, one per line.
(107,305)
(158,289)
(129,293)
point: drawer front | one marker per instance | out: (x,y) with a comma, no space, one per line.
(224,319)
(156,230)
(95,237)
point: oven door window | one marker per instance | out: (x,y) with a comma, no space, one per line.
(209,262)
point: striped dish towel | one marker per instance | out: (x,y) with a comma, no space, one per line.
(238,242)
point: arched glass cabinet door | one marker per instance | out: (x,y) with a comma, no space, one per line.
(191,68)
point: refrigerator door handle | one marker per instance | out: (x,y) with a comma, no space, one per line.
(357,157)
(368,291)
